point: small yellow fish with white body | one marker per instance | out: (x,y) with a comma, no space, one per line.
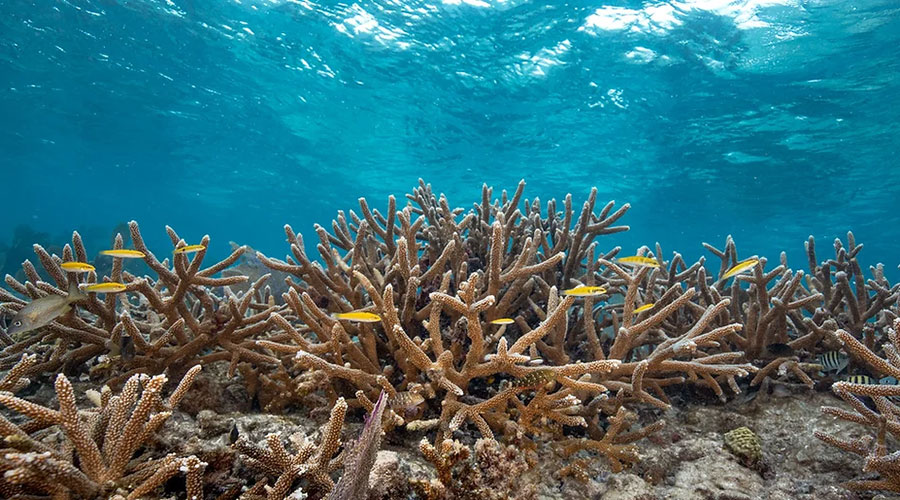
(76,267)
(358,317)
(585,291)
(638,261)
(645,307)
(502,321)
(123,253)
(189,249)
(108,287)
(740,267)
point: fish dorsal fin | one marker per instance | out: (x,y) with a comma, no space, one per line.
(75,293)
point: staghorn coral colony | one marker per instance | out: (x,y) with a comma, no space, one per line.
(491,339)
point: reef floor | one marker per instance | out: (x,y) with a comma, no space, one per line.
(686,460)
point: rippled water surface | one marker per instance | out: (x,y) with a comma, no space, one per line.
(767,119)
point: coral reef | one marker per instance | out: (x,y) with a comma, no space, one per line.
(489,472)
(873,405)
(95,457)
(435,311)
(476,343)
(172,320)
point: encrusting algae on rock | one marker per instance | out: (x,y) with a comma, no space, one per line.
(505,325)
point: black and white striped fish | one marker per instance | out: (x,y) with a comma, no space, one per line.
(834,361)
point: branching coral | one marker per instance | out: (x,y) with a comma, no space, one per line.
(311,464)
(852,305)
(791,317)
(308,472)
(477,328)
(95,460)
(881,414)
(438,282)
(489,471)
(175,319)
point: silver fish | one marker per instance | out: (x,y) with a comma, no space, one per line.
(44,310)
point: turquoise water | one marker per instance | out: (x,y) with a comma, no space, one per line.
(766,119)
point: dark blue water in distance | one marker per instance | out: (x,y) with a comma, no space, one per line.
(770,120)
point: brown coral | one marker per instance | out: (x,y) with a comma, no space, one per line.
(492,472)
(173,319)
(883,420)
(565,369)
(437,282)
(95,460)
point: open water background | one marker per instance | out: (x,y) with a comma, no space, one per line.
(766,119)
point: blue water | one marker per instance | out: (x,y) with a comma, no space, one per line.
(766,119)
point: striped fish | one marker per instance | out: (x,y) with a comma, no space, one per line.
(865,379)
(860,379)
(834,361)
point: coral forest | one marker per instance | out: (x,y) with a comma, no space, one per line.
(506,350)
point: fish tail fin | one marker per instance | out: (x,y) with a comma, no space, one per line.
(75,293)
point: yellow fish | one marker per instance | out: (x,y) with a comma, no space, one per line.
(860,379)
(110,287)
(644,307)
(77,267)
(124,253)
(359,316)
(585,291)
(744,265)
(189,249)
(502,321)
(636,260)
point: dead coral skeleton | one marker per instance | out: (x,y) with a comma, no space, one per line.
(96,457)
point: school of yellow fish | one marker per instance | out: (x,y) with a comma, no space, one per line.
(42,311)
